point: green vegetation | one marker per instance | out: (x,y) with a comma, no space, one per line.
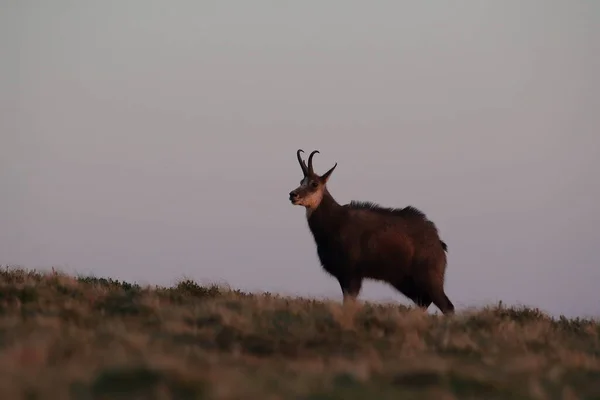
(89,338)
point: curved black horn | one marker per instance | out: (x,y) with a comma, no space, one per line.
(301,162)
(310,165)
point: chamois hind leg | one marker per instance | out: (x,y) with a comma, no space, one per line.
(408,288)
(441,300)
(431,282)
(423,300)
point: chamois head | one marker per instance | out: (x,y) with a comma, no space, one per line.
(312,186)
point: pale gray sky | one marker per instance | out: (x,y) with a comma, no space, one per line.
(151,140)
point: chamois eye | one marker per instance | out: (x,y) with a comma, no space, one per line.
(314,184)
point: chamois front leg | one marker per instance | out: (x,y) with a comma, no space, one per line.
(351,286)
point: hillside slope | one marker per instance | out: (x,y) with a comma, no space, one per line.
(90,338)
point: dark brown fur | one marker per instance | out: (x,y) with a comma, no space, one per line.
(363,240)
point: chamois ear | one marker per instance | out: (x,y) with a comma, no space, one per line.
(326,175)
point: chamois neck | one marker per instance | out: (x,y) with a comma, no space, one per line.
(327,206)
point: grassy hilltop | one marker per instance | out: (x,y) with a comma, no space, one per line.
(90,338)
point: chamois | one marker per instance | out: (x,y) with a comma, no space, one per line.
(361,240)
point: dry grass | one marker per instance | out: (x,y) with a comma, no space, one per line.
(89,338)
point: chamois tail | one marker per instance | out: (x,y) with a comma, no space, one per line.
(444,245)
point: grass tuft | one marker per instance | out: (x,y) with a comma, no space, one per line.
(88,337)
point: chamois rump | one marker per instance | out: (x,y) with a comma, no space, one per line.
(361,240)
